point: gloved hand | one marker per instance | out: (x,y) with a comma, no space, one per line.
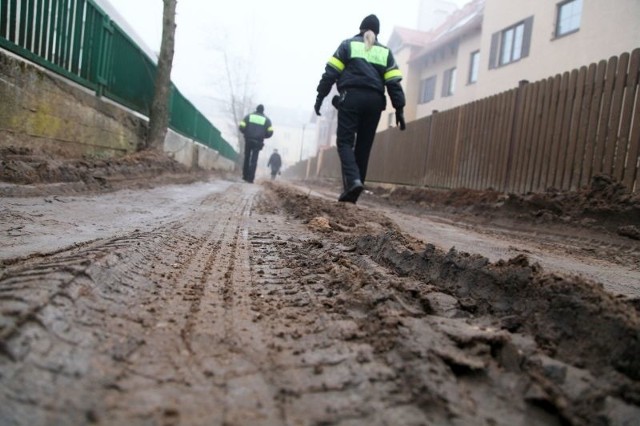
(317,106)
(335,101)
(400,119)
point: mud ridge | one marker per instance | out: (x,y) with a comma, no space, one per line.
(604,204)
(26,172)
(578,328)
(575,320)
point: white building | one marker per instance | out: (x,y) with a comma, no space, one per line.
(488,46)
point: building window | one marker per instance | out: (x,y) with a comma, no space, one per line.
(568,19)
(511,44)
(449,82)
(427,89)
(474,66)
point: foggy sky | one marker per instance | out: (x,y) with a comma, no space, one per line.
(283,44)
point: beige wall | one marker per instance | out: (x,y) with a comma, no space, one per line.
(464,92)
(408,80)
(438,70)
(607,28)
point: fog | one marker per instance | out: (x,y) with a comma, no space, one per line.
(281,45)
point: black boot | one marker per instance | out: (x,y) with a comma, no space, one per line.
(353,191)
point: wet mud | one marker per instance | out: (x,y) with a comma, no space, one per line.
(26,172)
(604,205)
(264,304)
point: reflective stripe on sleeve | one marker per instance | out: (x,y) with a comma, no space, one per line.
(392,74)
(336,63)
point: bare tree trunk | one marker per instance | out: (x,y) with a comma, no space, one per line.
(159,114)
(239,102)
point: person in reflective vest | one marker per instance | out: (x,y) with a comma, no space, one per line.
(256,127)
(362,68)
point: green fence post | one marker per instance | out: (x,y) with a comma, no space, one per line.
(104,55)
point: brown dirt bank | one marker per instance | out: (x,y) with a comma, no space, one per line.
(26,172)
(604,205)
(263,302)
(579,329)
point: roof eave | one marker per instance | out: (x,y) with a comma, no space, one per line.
(469,27)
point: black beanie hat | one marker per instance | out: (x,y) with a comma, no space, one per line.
(260,108)
(372,23)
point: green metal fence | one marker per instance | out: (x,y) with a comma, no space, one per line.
(77,39)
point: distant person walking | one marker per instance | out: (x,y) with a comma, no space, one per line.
(275,162)
(361,67)
(256,127)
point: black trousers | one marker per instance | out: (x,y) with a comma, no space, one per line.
(251,152)
(358,118)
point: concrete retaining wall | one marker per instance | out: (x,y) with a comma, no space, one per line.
(193,154)
(38,108)
(44,112)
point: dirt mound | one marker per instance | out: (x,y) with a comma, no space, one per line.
(246,305)
(605,204)
(28,173)
(583,361)
(339,216)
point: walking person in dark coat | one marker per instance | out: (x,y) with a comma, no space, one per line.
(362,68)
(275,162)
(256,127)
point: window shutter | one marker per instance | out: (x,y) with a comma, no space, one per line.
(431,89)
(493,53)
(445,84)
(526,37)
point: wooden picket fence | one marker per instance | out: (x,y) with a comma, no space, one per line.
(554,133)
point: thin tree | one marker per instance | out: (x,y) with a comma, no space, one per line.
(240,96)
(234,81)
(159,114)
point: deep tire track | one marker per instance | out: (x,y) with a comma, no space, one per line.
(240,314)
(151,268)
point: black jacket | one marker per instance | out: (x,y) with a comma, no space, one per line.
(353,67)
(275,161)
(256,127)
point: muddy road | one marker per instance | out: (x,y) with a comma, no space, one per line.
(224,303)
(604,257)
